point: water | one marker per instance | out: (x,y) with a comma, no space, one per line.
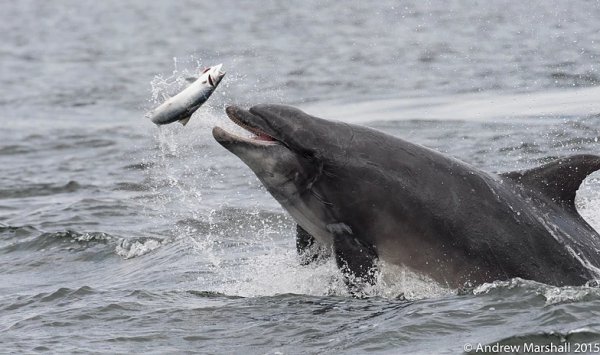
(118,236)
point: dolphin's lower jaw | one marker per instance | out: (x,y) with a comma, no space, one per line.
(226,139)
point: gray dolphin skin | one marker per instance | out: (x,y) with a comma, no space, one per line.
(182,106)
(367,195)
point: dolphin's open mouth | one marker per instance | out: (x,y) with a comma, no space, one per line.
(244,119)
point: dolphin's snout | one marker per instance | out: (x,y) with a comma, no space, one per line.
(219,134)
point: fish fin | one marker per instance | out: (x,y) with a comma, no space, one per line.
(560,179)
(308,248)
(185,120)
(357,259)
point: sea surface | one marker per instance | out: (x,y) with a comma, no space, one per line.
(118,236)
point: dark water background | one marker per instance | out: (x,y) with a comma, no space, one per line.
(119,237)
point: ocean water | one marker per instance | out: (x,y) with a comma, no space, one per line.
(117,236)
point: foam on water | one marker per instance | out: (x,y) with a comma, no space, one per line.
(552,295)
(133,248)
(568,294)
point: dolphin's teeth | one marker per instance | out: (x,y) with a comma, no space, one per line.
(263,137)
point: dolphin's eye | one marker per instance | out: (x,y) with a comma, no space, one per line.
(205,70)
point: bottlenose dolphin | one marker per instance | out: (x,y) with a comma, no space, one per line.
(367,195)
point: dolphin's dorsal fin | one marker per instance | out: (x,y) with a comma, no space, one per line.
(559,179)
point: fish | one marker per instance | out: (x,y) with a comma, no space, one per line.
(179,108)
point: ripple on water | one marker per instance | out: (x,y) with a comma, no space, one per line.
(44,189)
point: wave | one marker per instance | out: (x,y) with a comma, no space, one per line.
(550,295)
(20,239)
(61,294)
(69,239)
(15,231)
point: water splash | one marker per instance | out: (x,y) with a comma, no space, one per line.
(278,272)
(163,87)
(397,281)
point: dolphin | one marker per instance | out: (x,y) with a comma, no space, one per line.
(369,196)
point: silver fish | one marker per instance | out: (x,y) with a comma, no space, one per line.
(181,106)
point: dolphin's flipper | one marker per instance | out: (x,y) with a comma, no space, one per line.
(560,179)
(307,247)
(356,258)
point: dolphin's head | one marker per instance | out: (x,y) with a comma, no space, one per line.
(280,152)
(288,152)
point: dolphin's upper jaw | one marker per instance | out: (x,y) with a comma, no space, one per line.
(247,121)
